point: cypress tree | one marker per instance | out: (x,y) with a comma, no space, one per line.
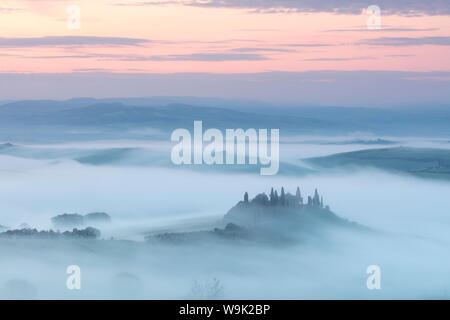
(316,199)
(283,197)
(272,197)
(298,196)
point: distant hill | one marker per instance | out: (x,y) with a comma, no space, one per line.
(5,146)
(432,163)
(166,118)
(377,141)
(112,118)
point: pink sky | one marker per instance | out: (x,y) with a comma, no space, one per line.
(182,38)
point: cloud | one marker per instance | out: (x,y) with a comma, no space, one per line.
(70,41)
(93,70)
(259,30)
(306,45)
(274,11)
(261,50)
(384,28)
(80,56)
(409,8)
(403,41)
(217,57)
(152,3)
(6,10)
(341,59)
(399,55)
(204,57)
(429,78)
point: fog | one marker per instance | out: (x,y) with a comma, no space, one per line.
(408,217)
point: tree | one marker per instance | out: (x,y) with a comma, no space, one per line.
(246,197)
(298,196)
(261,199)
(316,199)
(272,197)
(283,197)
(276,197)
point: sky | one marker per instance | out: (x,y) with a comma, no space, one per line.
(44,39)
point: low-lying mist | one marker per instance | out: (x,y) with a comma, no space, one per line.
(408,218)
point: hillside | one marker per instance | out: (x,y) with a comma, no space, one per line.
(433,163)
(275,220)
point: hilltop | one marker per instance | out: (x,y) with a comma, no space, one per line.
(283,210)
(274,219)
